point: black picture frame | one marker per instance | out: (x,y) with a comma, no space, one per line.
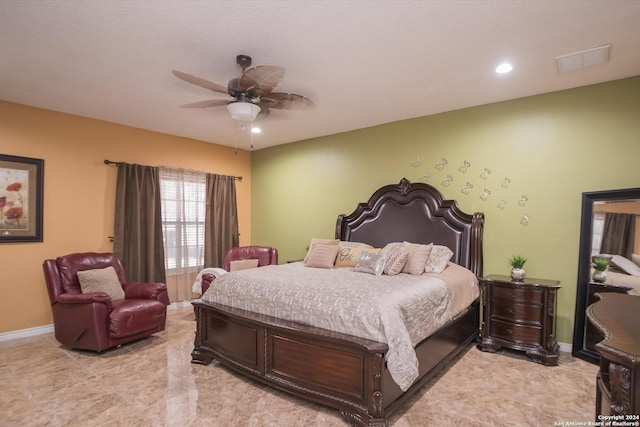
(21,199)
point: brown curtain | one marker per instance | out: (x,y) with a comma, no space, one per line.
(618,234)
(221,229)
(138,223)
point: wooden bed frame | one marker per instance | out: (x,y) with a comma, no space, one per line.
(342,371)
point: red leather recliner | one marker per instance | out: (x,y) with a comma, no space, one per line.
(92,321)
(265,255)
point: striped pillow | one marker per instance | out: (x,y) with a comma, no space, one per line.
(321,256)
(317,241)
(418,257)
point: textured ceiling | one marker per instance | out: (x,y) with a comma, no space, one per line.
(363,63)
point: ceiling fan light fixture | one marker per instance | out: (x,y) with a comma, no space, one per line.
(243,111)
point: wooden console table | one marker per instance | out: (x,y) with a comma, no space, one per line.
(618,381)
(592,335)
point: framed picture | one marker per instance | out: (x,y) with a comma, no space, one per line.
(21,197)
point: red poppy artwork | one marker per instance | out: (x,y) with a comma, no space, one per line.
(13,204)
(21,181)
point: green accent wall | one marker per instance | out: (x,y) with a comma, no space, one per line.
(551,148)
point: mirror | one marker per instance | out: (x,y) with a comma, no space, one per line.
(594,206)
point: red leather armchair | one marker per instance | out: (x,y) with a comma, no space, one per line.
(92,321)
(265,255)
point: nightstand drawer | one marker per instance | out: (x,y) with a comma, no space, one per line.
(518,312)
(513,293)
(515,333)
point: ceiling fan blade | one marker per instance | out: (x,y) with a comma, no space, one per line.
(264,111)
(206,104)
(287,101)
(260,80)
(200,82)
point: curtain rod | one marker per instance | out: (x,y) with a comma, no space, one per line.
(109,162)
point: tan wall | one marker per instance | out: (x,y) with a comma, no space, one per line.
(79,192)
(552,147)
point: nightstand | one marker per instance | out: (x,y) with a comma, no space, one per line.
(520,316)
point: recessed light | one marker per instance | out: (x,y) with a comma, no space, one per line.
(504,68)
(255,129)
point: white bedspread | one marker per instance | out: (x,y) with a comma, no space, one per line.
(397,310)
(196,288)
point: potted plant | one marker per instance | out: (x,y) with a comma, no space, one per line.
(599,266)
(517,272)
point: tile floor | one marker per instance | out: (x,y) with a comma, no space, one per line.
(153,383)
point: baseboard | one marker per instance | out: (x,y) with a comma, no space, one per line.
(48,329)
(566,347)
(25,333)
(179,304)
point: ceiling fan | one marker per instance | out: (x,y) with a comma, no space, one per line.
(251,93)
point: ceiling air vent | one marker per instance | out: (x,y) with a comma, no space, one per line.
(583,59)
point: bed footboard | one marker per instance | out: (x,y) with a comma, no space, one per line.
(332,369)
(341,371)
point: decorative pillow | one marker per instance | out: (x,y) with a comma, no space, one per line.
(417,259)
(636,259)
(626,265)
(101,280)
(395,262)
(354,244)
(316,241)
(371,263)
(392,247)
(243,264)
(348,257)
(440,256)
(321,256)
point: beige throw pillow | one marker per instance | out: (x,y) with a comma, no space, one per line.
(101,280)
(392,247)
(354,244)
(349,256)
(417,259)
(440,256)
(242,264)
(321,256)
(317,241)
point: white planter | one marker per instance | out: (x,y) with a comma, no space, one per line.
(517,274)
(599,276)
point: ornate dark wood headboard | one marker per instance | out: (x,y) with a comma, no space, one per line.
(418,213)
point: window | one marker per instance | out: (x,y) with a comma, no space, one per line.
(183,215)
